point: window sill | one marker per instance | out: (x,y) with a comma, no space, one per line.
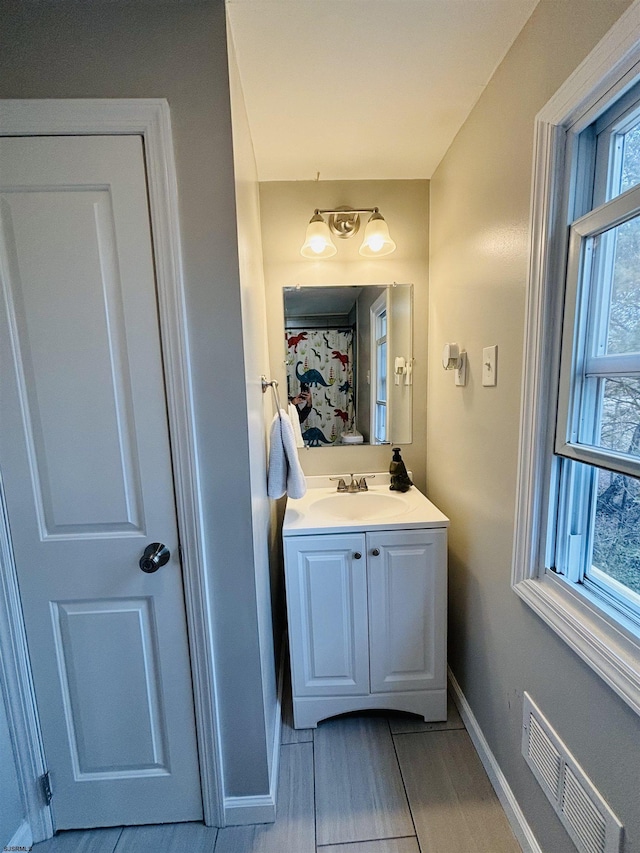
(611,649)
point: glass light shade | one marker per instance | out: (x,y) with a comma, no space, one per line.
(318,243)
(377,241)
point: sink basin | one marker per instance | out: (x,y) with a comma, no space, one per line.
(324,510)
(360,506)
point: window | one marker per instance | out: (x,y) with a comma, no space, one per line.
(598,422)
(379,363)
(577,543)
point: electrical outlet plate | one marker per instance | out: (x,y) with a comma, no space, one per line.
(489,366)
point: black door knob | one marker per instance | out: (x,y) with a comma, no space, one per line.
(155,556)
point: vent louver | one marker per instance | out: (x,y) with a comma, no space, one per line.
(587,822)
(544,755)
(592,825)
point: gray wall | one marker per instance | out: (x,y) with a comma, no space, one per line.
(260,406)
(11,811)
(479,259)
(72,50)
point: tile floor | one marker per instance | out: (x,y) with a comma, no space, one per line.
(371,783)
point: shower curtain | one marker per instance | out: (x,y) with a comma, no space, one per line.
(323,359)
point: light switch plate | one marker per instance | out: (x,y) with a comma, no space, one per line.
(490,365)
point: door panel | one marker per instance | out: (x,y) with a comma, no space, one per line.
(92,639)
(78,334)
(85,461)
(406,593)
(327,607)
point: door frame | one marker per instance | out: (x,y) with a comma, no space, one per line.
(150,119)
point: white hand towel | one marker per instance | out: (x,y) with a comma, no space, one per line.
(285,471)
(295,423)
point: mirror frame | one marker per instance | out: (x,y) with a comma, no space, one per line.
(399,390)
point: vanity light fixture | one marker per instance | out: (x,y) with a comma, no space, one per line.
(344,222)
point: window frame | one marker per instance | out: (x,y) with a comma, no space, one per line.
(603,637)
(577,336)
(378,308)
(612,124)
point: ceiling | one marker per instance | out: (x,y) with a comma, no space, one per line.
(365,89)
(310,301)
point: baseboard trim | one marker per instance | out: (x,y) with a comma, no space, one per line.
(241,811)
(277,730)
(515,816)
(22,839)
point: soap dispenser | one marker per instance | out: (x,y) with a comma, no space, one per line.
(400,480)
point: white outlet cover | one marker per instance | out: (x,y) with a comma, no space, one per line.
(490,365)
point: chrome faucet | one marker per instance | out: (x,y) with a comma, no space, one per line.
(355,485)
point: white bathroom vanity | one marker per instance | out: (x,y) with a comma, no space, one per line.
(366,581)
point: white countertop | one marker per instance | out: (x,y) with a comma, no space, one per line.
(309,515)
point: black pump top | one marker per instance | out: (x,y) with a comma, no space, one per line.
(400,480)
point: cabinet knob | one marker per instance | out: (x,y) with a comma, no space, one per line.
(357,555)
(376,552)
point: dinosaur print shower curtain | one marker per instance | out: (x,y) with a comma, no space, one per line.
(323,360)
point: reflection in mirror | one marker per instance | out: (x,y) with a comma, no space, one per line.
(349,362)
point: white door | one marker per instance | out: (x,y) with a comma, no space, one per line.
(327,610)
(407,609)
(85,463)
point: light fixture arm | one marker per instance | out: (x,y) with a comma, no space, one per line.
(344,222)
(319,210)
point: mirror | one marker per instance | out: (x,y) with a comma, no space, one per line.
(348,352)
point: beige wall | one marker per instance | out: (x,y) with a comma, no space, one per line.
(479,255)
(286,210)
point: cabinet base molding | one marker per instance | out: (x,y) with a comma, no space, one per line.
(308,711)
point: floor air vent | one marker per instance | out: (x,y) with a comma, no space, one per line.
(592,825)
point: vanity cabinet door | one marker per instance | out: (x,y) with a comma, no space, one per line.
(326,580)
(407,609)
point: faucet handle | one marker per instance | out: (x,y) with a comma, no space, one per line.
(363,482)
(341,483)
